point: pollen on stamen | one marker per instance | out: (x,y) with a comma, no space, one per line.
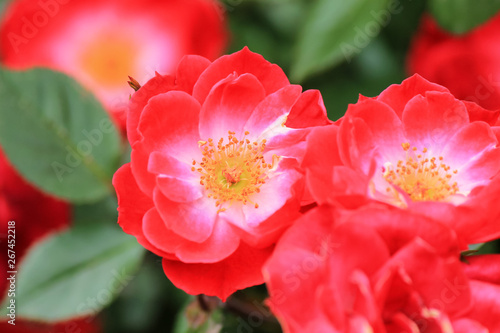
(233,169)
(422,178)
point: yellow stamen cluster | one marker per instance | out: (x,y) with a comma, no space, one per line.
(422,178)
(233,171)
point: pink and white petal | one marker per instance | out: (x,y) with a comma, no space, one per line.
(179,190)
(233,214)
(229,105)
(222,243)
(381,190)
(468,144)
(193,221)
(189,70)
(430,121)
(272,196)
(385,127)
(479,171)
(398,95)
(308,111)
(273,107)
(162,164)
(271,76)
(269,231)
(286,143)
(164,130)
(240,270)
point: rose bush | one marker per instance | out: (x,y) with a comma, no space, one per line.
(466,64)
(415,147)
(100,43)
(379,270)
(214,177)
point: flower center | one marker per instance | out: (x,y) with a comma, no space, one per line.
(109,58)
(233,171)
(423,178)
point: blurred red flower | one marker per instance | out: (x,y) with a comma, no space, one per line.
(100,42)
(84,325)
(35,214)
(414,147)
(468,65)
(374,270)
(214,178)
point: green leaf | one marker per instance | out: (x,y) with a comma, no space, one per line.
(57,135)
(75,273)
(159,305)
(460,16)
(337,30)
(3,5)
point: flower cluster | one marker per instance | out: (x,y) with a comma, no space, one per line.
(237,177)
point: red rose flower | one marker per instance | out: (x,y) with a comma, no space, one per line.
(415,147)
(468,65)
(374,270)
(100,42)
(35,215)
(213,179)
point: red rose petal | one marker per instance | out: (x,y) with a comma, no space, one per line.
(229,105)
(398,95)
(385,127)
(308,111)
(271,76)
(132,205)
(222,278)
